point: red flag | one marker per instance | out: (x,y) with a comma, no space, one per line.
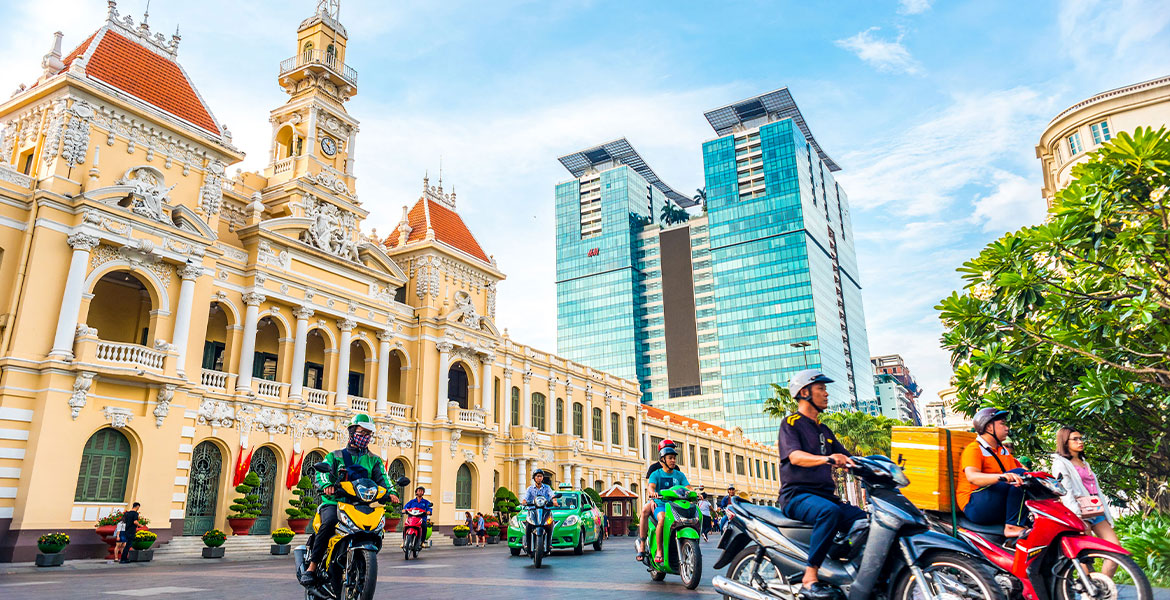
(242,466)
(294,470)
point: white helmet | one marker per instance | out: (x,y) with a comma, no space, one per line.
(804,379)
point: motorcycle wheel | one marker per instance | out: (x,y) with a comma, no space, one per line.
(414,553)
(975,577)
(1069,585)
(361,576)
(740,571)
(690,563)
(538,554)
(407,545)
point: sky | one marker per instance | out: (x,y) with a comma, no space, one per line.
(932,109)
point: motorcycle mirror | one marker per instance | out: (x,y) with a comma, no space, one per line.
(402,481)
(901,460)
(321,467)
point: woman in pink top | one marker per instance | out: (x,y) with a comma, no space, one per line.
(1069,464)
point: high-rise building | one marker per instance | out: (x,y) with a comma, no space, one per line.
(894,400)
(715,308)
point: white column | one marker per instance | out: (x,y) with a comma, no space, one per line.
(350,147)
(312,138)
(248,347)
(523,462)
(182,332)
(577,478)
(606,434)
(587,426)
(567,475)
(489,388)
(341,399)
(384,338)
(506,418)
(526,400)
(297,388)
(81,243)
(444,349)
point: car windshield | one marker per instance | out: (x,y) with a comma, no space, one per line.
(568,501)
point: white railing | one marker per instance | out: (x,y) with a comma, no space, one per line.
(212,379)
(397,411)
(269,389)
(130,354)
(471,415)
(360,404)
(283,166)
(317,397)
(20,179)
(319,57)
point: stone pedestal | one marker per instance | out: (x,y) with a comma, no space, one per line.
(280,549)
(55,559)
(213,552)
(141,555)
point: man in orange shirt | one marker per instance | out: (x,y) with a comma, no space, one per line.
(989,490)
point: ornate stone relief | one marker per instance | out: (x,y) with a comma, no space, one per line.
(398,436)
(490,288)
(81,386)
(331,230)
(266,255)
(455,435)
(211,193)
(76,136)
(469,456)
(216,413)
(54,130)
(321,427)
(149,197)
(165,394)
(118,417)
(487,445)
(140,256)
(465,312)
(329,182)
(530,437)
(271,420)
(578,446)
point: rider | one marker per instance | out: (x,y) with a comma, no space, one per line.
(420,503)
(648,508)
(538,488)
(989,491)
(663,479)
(351,463)
(808,452)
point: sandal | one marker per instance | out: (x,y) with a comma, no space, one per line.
(658,559)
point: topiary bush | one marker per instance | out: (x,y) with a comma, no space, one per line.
(505,503)
(247,505)
(303,504)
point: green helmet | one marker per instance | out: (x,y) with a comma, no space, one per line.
(362,420)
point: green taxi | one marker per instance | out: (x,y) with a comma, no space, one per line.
(576,521)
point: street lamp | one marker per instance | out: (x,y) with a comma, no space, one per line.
(803,350)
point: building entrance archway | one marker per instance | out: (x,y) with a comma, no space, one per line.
(202,489)
(264,465)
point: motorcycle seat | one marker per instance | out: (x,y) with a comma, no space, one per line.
(771,516)
(995,532)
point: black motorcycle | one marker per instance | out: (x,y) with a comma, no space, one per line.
(893,554)
(538,526)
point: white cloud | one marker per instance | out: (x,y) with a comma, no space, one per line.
(1013,203)
(1118,43)
(913,7)
(884,55)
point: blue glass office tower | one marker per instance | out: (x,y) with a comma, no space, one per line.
(708,313)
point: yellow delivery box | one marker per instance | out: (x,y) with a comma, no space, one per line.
(923,453)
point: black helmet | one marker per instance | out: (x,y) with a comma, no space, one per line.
(667,451)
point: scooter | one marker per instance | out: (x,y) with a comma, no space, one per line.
(1056,557)
(416,530)
(892,555)
(538,526)
(680,539)
(350,567)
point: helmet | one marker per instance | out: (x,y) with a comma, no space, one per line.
(804,379)
(362,420)
(667,451)
(987,416)
(541,472)
(665,443)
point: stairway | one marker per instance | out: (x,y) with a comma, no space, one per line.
(258,546)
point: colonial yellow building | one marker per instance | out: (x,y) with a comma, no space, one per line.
(161,321)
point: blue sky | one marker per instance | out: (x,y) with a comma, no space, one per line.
(932,108)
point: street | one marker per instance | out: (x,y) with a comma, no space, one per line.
(463,573)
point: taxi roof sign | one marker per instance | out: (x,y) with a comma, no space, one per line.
(564,486)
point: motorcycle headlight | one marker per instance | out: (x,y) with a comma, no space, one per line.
(572,520)
(367,493)
(540,501)
(343,521)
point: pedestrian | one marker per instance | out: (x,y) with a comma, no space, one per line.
(470,525)
(130,524)
(118,529)
(480,530)
(605,525)
(1084,495)
(704,506)
(724,501)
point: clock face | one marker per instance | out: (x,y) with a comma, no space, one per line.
(328,146)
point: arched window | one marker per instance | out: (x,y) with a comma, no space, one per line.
(311,459)
(538,410)
(457,385)
(515,406)
(330,54)
(308,48)
(634,488)
(631,432)
(615,429)
(105,464)
(463,488)
(398,469)
(560,415)
(578,419)
(599,486)
(597,424)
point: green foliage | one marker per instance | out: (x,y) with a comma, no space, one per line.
(505,503)
(592,493)
(672,214)
(247,505)
(214,538)
(1147,537)
(461,531)
(1068,322)
(53,539)
(781,404)
(303,504)
(110,519)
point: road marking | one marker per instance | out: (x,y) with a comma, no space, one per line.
(155,591)
(420,566)
(26,583)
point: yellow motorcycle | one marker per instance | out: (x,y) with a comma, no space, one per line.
(350,568)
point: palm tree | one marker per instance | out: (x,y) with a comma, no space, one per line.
(781,404)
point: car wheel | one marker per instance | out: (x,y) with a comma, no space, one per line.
(579,549)
(514,551)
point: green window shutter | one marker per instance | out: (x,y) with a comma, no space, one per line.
(104,469)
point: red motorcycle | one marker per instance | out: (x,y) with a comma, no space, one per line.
(1057,557)
(414,532)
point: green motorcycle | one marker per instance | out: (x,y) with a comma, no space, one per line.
(680,539)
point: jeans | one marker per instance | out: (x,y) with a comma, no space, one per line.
(828,518)
(999,503)
(321,537)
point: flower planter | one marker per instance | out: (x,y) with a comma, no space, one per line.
(392,524)
(216,552)
(493,539)
(50,560)
(279,549)
(106,532)
(298,525)
(140,555)
(241,526)
(142,544)
(460,541)
(50,548)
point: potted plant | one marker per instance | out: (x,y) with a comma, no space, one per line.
(461,532)
(493,532)
(105,529)
(213,539)
(303,506)
(633,526)
(140,547)
(50,546)
(246,508)
(505,504)
(281,538)
(393,515)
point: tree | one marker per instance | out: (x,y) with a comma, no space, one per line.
(304,505)
(505,503)
(592,493)
(247,505)
(1068,322)
(781,404)
(701,197)
(672,214)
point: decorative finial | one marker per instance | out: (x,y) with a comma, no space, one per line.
(51,63)
(145,17)
(112,7)
(426,182)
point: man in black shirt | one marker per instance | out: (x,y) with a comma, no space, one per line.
(130,519)
(808,453)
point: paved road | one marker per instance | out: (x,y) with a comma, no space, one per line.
(457,573)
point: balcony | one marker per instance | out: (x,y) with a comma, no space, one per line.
(397,411)
(320,58)
(268,389)
(214,380)
(360,404)
(318,397)
(130,355)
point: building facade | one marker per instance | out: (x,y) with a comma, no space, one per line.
(901,398)
(941,413)
(1084,126)
(123,239)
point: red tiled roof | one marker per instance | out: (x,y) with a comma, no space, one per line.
(658,413)
(135,70)
(448,226)
(617,491)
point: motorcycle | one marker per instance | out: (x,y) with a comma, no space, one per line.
(350,567)
(538,527)
(892,555)
(415,531)
(1056,557)
(680,539)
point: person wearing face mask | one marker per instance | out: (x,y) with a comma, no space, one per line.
(351,463)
